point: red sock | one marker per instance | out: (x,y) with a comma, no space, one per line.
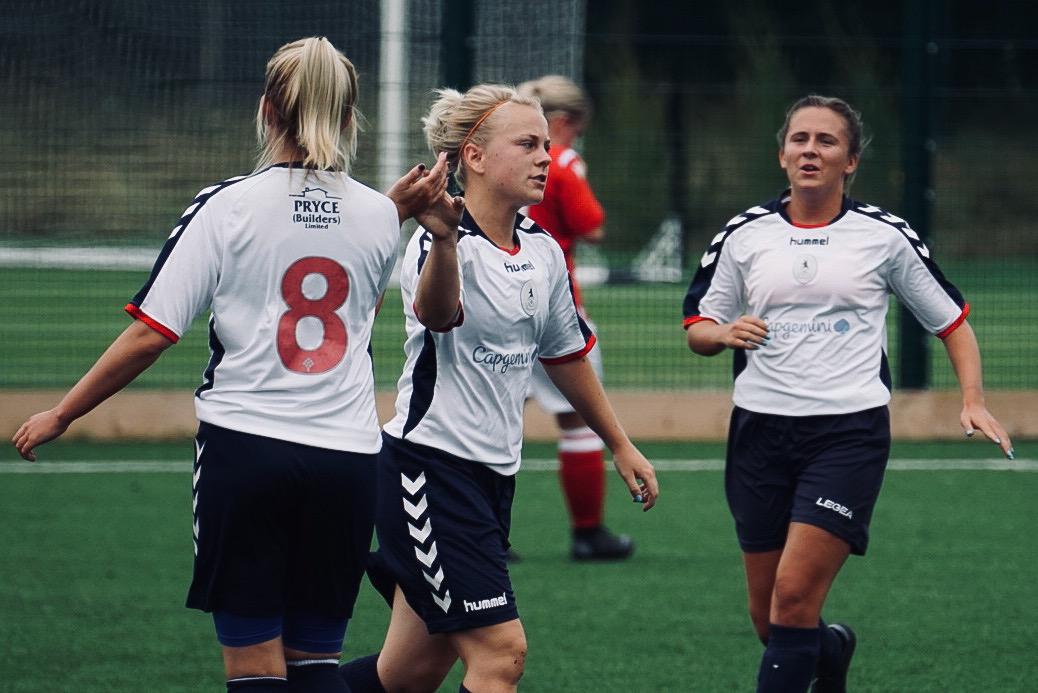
(582,473)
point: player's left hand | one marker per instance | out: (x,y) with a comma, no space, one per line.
(39,429)
(638,474)
(419,188)
(976,416)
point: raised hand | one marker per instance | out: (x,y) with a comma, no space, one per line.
(419,188)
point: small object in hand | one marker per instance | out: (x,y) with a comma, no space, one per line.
(970,432)
(638,498)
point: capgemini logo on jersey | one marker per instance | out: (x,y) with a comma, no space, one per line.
(499,362)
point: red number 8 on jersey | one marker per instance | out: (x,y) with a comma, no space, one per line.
(333,346)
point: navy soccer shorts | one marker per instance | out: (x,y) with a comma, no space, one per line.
(279,526)
(442,525)
(824,471)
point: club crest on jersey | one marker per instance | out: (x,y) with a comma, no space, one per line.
(315,208)
(805,268)
(528,297)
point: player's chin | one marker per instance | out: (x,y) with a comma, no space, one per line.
(534,195)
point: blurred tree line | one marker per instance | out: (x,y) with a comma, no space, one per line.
(689,97)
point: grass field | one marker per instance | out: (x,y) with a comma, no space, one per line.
(95,567)
(54,324)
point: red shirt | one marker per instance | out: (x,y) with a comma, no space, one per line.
(569,209)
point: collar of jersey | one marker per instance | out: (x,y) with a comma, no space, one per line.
(783,201)
(469,226)
(299,164)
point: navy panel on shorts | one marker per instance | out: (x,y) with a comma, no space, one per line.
(279,526)
(442,525)
(820,470)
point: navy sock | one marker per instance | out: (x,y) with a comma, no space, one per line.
(831,646)
(361,675)
(315,676)
(462,689)
(257,684)
(788,665)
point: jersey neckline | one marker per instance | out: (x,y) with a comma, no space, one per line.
(468,223)
(783,202)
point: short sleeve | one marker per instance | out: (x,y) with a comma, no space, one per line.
(184,277)
(411,269)
(918,282)
(716,291)
(566,337)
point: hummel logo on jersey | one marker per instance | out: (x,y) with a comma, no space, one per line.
(519,268)
(485,603)
(808,241)
(316,209)
(830,505)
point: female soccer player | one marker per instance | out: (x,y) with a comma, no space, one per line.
(293,260)
(799,288)
(483,299)
(570,213)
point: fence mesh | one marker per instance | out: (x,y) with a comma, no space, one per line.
(116,112)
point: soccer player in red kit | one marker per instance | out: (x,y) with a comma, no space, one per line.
(570,212)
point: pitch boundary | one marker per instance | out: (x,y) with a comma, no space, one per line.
(530,465)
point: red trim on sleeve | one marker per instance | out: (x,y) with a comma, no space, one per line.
(151,322)
(456,321)
(955,325)
(570,357)
(696,318)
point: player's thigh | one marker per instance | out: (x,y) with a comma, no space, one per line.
(335,523)
(411,658)
(810,562)
(443,528)
(760,479)
(839,483)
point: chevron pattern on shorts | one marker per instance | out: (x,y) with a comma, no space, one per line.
(419,526)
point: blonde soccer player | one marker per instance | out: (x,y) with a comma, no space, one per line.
(293,260)
(486,294)
(572,214)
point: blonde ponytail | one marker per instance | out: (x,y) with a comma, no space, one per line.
(311,92)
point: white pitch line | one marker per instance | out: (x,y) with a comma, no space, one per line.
(530,465)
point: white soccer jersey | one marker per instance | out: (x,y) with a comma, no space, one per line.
(824,293)
(462,390)
(292,263)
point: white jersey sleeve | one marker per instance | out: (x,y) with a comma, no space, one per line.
(916,280)
(566,336)
(184,277)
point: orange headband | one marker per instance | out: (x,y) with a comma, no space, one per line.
(475,127)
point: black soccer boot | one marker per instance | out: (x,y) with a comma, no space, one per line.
(832,674)
(599,544)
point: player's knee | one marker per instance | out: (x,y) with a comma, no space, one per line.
(793,604)
(511,658)
(760,615)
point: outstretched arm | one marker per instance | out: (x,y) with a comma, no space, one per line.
(964,354)
(130,354)
(579,384)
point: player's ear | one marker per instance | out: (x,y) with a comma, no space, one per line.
(852,165)
(472,156)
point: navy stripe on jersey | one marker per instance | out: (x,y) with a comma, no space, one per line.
(700,283)
(584,329)
(216,350)
(423,382)
(884,371)
(189,214)
(917,244)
